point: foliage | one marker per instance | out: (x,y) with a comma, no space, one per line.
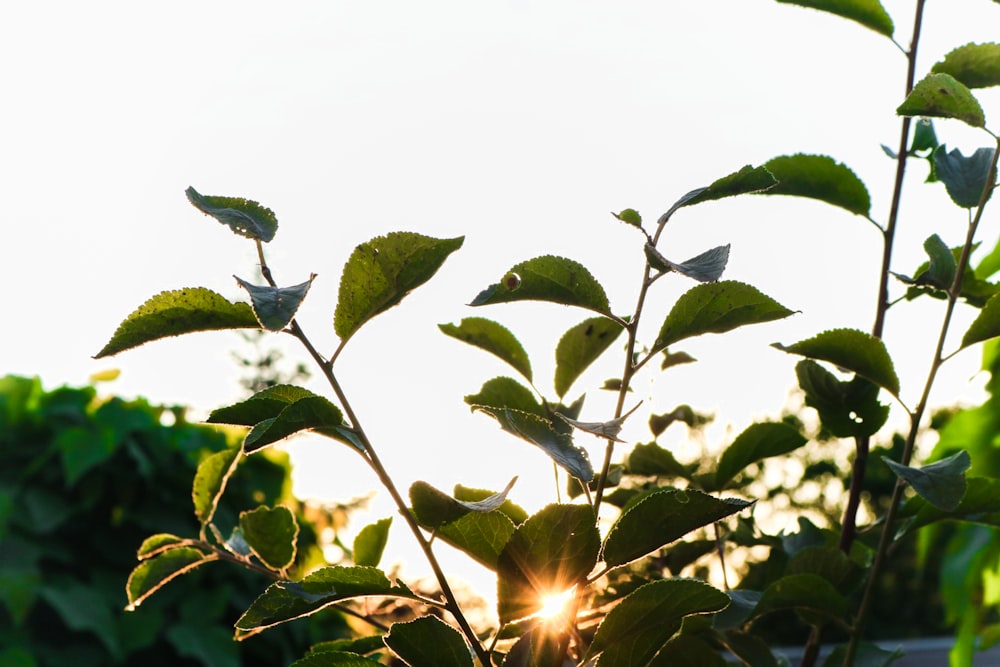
(639,518)
(83,480)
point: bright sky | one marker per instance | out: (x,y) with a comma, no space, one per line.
(517,124)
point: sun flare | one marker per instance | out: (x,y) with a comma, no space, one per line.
(555,603)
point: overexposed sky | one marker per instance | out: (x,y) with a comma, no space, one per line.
(518,124)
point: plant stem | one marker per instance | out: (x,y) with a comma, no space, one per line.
(886,536)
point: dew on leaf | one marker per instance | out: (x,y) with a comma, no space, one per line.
(512,281)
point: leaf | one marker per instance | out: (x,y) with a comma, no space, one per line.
(434,508)
(243,216)
(651,459)
(369,544)
(505,392)
(428,642)
(847,409)
(869,13)
(748,179)
(942,96)
(609,429)
(965,177)
(580,347)
(819,177)
(828,562)
(706,267)
(210,482)
(548,278)
(472,496)
(151,574)
(661,517)
(286,601)
(942,266)
(716,308)
(271,534)
(379,273)
(175,313)
(156,544)
(924,136)
(802,591)
(980,504)
(492,337)
(84,608)
(986,325)
(648,617)
(686,650)
(630,217)
(334,659)
(540,432)
(541,646)
(975,65)
(757,442)
(548,554)
(941,483)
(275,306)
(853,351)
(481,536)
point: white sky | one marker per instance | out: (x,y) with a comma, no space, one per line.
(518,124)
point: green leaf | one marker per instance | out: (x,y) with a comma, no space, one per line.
(757,442)
(965,177)
(869,13)
(942,96)
(210,482)
(941,483)
(504,392)
(429,642)
(481,536)
(705,268)
(688,651)
(802,591)
(434,508)
(81,449)
(246,218)
(651,459)
(469,495)
(539,647)
(379,273)
(540,432)
(83,608)
(980,504)
(159,543)
(747,180)
(942,266)
(986,325)
(847,409)
(548,554)
(370,542)
(276,306)
(924,136)
(278,412)
(151,574)
(853,351)
(334,659)
(492,337)
(175,313)
(819,177)
(648,617)
(581,346)
(975,65)
(271,534)
(204,643)
(548,278)
(661,517)
(716,308)
(286,601)
(630,217)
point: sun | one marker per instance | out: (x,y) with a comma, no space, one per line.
(555,603)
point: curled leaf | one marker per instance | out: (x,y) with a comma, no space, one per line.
(609,429)
(243,216)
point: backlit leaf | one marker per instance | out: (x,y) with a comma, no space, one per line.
(178,312)
(492,337)
(651,459)
(986,325)
(154,572)
(869,13)
(717,308)
(276,306)
(660,518)
(802,591)
(312,413)
(547,278)
(942,96)
(608,430)
(581,346)
(210,481)
(429,642)
(470,495)
(271,534)
(504,392)
(980,504)
(480,535)
(334,659)
(159,543)
(819,177)
(548,554)
(748,179)
(380,272)
(243,216)
(369,544)
(975,65)
(434,508)
(847,408)
(941,483)
(755,443)
(630,217)
(648,617)
(851,350)
(965,177)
